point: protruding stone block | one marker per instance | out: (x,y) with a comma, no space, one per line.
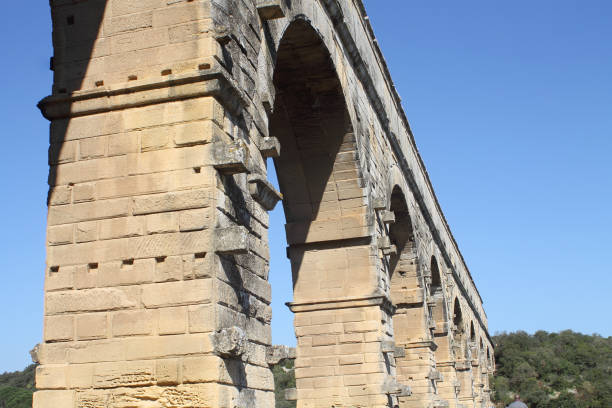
(275,354)
(232,241)
(387,346)
(392,250)
(391,386)
(34,354)
(387,217)
(270,9)
(270,147)
(231,158)
(384,243)
(263,192)
(230,342)
(379,204)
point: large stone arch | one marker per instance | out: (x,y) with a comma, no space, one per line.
(163,117)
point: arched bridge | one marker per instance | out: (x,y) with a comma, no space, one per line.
(163,115)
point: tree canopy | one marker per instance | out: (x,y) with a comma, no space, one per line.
(553,370)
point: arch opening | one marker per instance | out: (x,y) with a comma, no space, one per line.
(472,333)
(401,233)
(435,288)
(317,164)
(457,316)
(323,199)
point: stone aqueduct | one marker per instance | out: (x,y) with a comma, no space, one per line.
(163,114)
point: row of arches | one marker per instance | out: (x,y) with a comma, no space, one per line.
(331,240)
(430,320)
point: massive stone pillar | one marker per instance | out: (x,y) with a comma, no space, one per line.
(157,260)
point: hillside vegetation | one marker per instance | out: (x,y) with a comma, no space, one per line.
(554,370)
(16,388)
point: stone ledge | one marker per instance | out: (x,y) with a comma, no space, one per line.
(211,82)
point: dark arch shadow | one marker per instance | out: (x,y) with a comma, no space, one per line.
(311,121)
(401,232)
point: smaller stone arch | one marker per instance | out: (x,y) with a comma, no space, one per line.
(411,319)
(472,333)
(457,316)
(435,287)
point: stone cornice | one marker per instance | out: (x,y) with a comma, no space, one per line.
(343,303)
(208,82)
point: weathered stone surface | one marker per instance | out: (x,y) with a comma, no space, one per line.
(163,117)
(276,354)
(230,342)
(263,192)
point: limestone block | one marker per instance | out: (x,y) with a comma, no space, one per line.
(174,201)
(210,368)
(53,399)
(62,153)
(86,231)
(126,374)
(229,342)
(133,186)
(121,227)
(151,246)
(231,158)
(83,192)
(181,13)
(59,328)
(88,211)
(270,147)
(387,217)
(131,323)
(60,195)
(162,223)
(86,126)
(154,139)
(155,347)
(168,294)
(174,112)
(263,192)
(129,23)
(172,320)
(60,235)
(93,147)
(90,170)
(269,9)
(91,300)
(202,318)
(60,278)
(190,134)
(156,161)
(168,269)
(79,375)
(91,326)
(259,378)
(122,144)
(191,31)
(194,220)
(275,354)
(233,240)
(167,371)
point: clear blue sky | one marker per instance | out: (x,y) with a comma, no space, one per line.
(511,107)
